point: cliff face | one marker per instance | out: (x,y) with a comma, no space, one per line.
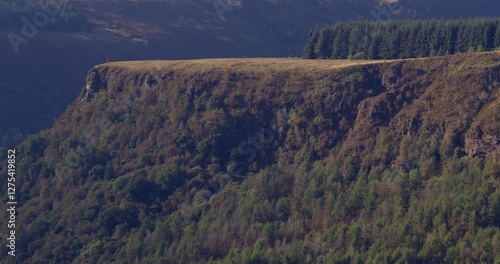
(450,97)
(221,103)
(167,141)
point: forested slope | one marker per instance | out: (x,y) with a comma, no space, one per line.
(268,161)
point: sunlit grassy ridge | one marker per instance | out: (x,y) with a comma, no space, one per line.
(243,64)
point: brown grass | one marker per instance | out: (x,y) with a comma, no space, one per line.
(258,64)
(245,64)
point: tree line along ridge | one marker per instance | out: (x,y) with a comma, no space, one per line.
(403,39)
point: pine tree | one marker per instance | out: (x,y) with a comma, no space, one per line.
(408,50)
(497,37)
(435,36)
(421,43)
(451,37)
(309,52)
(461,42)
(323,47)
(356,37)
(340,49)
(385,42)
(395,44)
(373,52)
(337,41)
(489,35)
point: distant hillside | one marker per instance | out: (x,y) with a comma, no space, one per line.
(58,17)
(268,161)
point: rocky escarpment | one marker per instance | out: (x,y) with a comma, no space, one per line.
(483,138)
(433,98)
(93,85)
(480,144)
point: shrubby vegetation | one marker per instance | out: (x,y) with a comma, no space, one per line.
(403,39)
(366,164)
(67,19)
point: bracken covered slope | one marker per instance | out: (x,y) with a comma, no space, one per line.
(268,161)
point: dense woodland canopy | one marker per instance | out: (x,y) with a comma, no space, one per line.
(403,39)
(362,164)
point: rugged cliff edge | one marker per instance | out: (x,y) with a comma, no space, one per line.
(268,160)
(396,97)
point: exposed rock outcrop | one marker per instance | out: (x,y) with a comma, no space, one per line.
(92,85)
(481,144)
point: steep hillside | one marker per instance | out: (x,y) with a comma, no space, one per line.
(44,76)
(268,161)
(40,81)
